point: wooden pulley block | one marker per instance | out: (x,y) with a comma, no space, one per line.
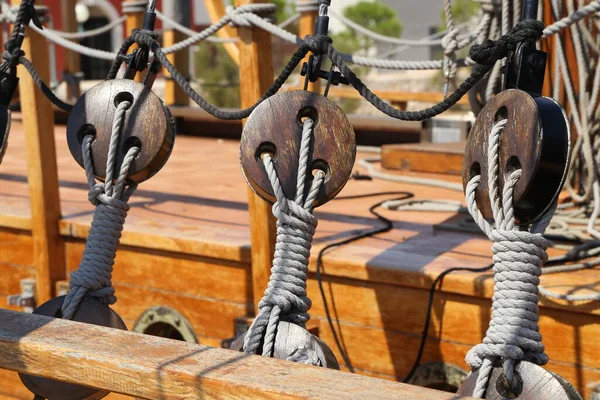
(532,383)
(291,337)
(275,127)
(477,95)
(536,139)
(90,311)
(148,124)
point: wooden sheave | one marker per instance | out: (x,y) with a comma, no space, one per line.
(151,367)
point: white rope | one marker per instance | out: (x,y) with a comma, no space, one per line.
(367,163)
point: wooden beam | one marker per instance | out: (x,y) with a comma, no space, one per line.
(42,175)
(134,20)
(175,9)
(151,367)
(72,59)
(216,10)
(256,75)
(307,27)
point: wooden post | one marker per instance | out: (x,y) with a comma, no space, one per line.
(179,10)
(256,75)
(42,175)
(72,59)
(134,20)
(307,27)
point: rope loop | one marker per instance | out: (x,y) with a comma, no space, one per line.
(488,52)
(286,297)
(318,44)
(513,334)
(93,277)
(238,16)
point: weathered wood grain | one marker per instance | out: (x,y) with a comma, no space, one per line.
(152,368)
(440,158)
(154,134)
(275,127)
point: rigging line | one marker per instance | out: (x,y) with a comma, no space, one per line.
(388,225)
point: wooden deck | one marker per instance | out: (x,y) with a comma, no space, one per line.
(186,245)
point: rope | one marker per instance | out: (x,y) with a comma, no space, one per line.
(43,87)
(286,297)
(93,278)
(485,54)
(91,33)
(307,6)
(513,333)
(73,46)
(367,163)
(142,38)
(450,45)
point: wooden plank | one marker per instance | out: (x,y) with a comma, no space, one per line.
(72,59)
(156,368)
(186,275)
(256,75)
(42,174)
(216,10)
(442,158)
(307,27)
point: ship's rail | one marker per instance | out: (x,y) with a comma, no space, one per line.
(151,367)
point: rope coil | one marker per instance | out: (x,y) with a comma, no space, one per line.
(93,277)
(286,297)
(513,334)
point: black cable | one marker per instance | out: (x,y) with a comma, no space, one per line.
(142,38)
(43,87)
(425,332)
(388,225)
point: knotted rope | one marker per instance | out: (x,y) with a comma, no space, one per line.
(513,333)
(285,297)
(93,278)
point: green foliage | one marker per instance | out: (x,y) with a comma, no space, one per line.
(462,11)
(219,74)
(373,15)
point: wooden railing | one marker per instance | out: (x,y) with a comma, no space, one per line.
(151,367)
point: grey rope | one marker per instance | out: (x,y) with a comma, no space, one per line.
(305,6)
(93,278)
(90,33)
(367,163)
(450,45)
(286,297)
(513,333)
